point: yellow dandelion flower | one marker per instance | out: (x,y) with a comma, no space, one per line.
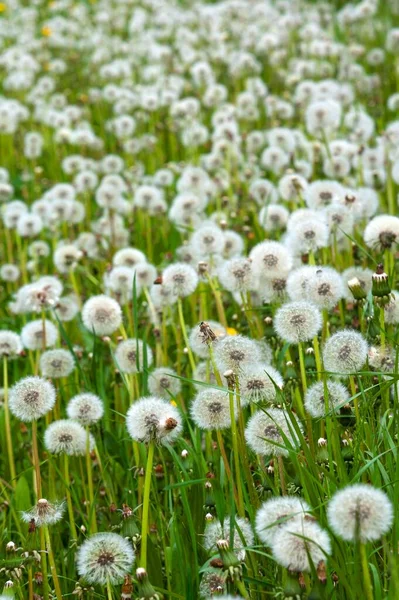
(46,31)
(231,331)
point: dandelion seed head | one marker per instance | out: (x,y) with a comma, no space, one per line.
(260,383)
(87,408)
(276,513)
(265,430)
(35,333)
(105,557)
(243,535)
(163,382)
(31,398)
(131,356)
(197,342)
(345,352)
(315,401)
(180,279)
(325,288)
(44,513)
(10,344)
(154,419)
(300,544)
(101,315)
(271,259)
(361,510)
(297,321)
(66,436)
(382,232)
(236,352)
(210,409)
(57,363)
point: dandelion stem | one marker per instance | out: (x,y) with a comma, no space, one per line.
(53,568)
(7,425)
(368,587)
(36,463)
(92,512)
(184,332)
(68,495)
(236,454)
(146,505)
(43,564)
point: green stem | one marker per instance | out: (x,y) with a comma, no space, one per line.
(236,456)
(43,564)
(7,425)
(368,587)
(68,495)
(146,504)
(184,332)
(92,512)
(53,568)
(109,591)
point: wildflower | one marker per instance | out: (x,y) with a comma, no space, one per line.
(31,398)
(270,432)
(297,321)
(87,408)
(66,437)
(66,257)
(163,382)
(44,513)
(102,315)
(391,310)
(211,409)
(132,356)
(35,334)
(151,418)
(360,511)
(57,363)
(276,513)
(345,352)
(300,545)
(105,557)
(66,308)
(317,405)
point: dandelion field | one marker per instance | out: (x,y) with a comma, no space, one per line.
(199,300)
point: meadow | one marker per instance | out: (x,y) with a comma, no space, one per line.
(199,300)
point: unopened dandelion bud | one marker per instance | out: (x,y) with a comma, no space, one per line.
(358,292)
(381,288)
(231,563)
(202,267)
(11,547)
(322,442)
(231,378)
(184,453)
(145,589)
(268,320)
(209,517)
